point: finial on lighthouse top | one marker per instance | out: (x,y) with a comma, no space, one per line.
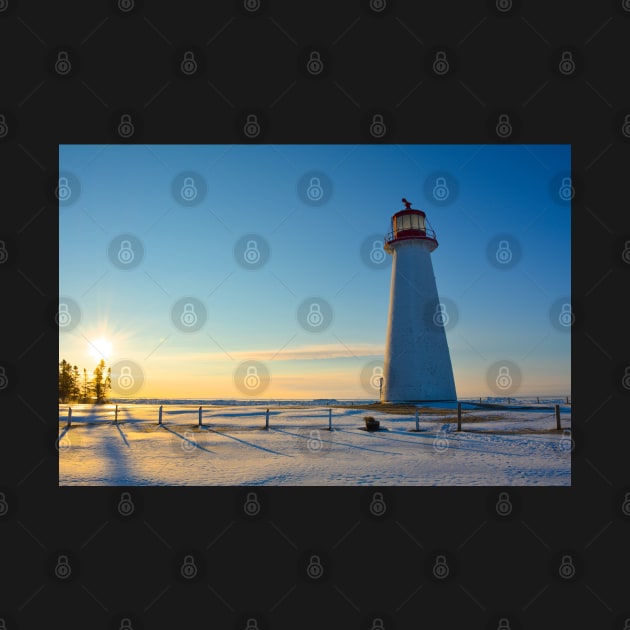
(407,203)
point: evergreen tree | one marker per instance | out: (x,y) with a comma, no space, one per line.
(86,387)
(65,381)
(102,381)
(76,383)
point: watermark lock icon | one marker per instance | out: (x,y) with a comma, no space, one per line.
(566,568)
(126,128)
(127,377)
(125,505)
(4,506)
(504,127)
(314,569)
(63,570)
(504,253)
(252,377)
(252,127)
(567,63)
(314,443)
(188,317)
(315,191)
(503,505)
(378,5)
(440,442)
(188,65)
(440,317)
(566,192)
(126,5)
(440,568)
(188,444)
(377,253)
(63,191)
(504,380)
(566,317)
(63,66)
(188,190)
(252,380)
(125,253)
(440,190)
(188,568)
(252,252)
(377,127)
(314,188)
(377,377)
(251,255)
(314,316)
(440,63)
(314,65)
(189,314)
(64,318)
(378,507)
(251,506)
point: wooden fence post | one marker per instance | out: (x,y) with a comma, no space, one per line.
(267,419)
(558,426)
(330,419)
(459,416)
(116,415)
(69,422)
(160,415)
(417,420)
(199,416)
(538,399)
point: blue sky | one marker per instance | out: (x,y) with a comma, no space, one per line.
(195,241)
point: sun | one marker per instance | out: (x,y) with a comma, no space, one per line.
(100,348)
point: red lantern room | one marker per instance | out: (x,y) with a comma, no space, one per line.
(410,224)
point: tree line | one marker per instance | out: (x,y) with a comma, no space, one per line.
(84,388)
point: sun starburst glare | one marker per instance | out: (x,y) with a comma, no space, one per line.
(100,348)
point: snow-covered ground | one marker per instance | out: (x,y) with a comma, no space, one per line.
(496,447)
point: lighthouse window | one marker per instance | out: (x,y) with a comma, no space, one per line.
(403,222)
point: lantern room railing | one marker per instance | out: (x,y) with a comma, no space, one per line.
(398,235)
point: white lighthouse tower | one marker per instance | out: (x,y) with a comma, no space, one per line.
(417,361)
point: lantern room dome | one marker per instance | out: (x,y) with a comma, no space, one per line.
(410,224)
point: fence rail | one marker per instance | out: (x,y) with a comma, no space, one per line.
(106,412)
